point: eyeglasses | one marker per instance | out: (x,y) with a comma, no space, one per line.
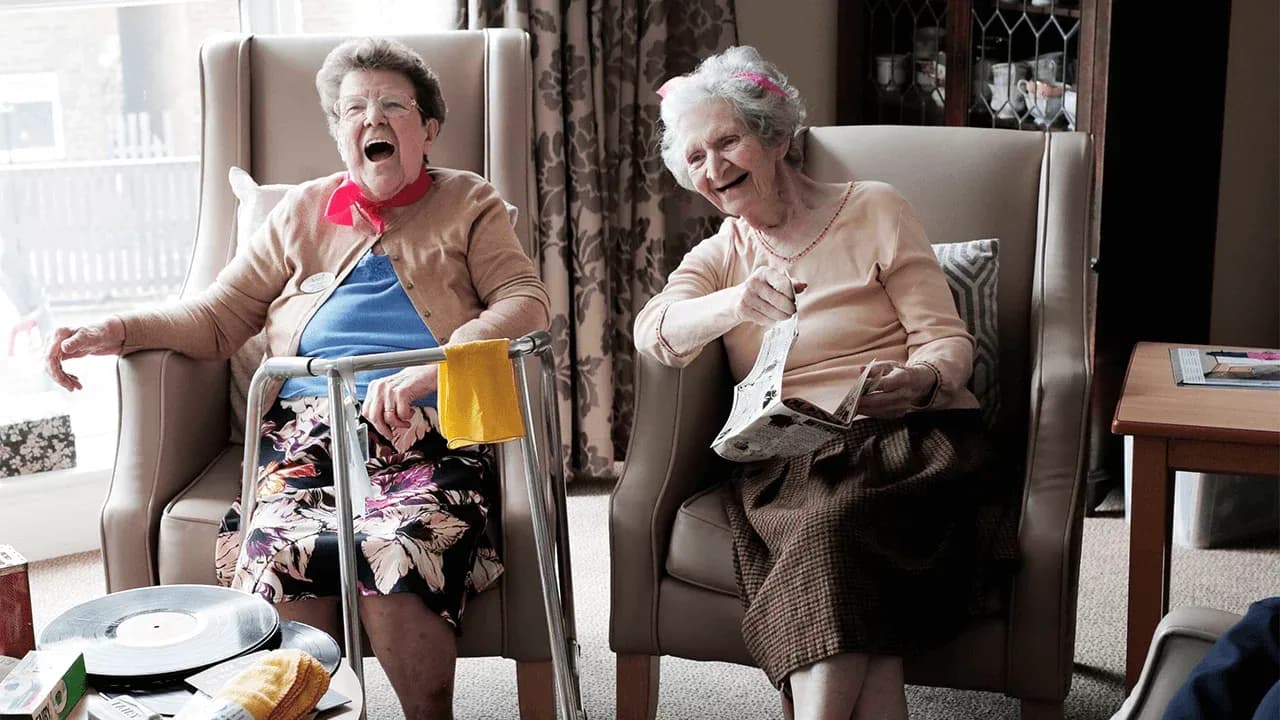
(356,107)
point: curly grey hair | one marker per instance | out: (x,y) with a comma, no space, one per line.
(373,53)
(769,116)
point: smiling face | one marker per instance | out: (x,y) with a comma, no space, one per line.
(383,154)
(728,165)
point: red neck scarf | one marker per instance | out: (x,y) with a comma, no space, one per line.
(348,193)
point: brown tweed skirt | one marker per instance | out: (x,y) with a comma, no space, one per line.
(886,541)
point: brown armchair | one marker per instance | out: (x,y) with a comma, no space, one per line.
(673,586)
(176,471)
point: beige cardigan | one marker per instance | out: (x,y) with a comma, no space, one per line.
(875,291)
(454,252)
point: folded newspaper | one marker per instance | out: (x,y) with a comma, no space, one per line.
(763,424)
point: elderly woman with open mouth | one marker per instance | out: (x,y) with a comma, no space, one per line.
(391,254)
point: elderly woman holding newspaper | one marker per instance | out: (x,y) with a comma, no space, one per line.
(868,548)
(390,254)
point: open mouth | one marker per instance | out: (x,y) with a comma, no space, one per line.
(733,184)
(379,150)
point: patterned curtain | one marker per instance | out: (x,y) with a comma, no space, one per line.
(611,222)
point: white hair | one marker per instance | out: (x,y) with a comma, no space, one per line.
(774,118)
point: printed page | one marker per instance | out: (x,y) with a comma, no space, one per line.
(848,409)
(764,425)
(782,432)
(1226,368)
(762,387)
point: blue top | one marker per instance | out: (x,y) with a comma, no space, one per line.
(368,313)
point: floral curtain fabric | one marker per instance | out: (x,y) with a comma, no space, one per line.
(611,223)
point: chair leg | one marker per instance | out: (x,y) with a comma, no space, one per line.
(1036,710)
(637,687)
(535,690)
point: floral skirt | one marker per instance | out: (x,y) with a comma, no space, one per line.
(429,527)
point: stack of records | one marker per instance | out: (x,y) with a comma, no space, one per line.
(152,643)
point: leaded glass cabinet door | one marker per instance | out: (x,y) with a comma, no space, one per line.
(906,63)
(1022,64)
(1025,64)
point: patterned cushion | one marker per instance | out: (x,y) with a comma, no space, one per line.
(972,270)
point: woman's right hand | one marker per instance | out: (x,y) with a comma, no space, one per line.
(104,338)
(766,296)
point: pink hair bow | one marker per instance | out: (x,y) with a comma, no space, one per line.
(760,80)
(764,82)
(672,82)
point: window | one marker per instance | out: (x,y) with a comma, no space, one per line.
(99,183)
(370,17)
(99,163)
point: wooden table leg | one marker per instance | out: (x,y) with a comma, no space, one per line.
(1150,537)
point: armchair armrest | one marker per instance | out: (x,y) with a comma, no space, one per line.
(173,422)
(1181,640)
(1042,615)
(525,622)
(678,413)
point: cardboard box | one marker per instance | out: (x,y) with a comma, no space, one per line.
(45,685)
(17,636)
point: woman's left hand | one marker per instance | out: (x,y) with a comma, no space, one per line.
(898,389)
(388,404)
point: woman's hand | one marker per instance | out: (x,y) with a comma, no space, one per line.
(388,403)
(766,296)
(898,389)
(105,338)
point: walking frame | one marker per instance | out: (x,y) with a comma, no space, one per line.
(553,553)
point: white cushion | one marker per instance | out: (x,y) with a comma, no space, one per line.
(255,203)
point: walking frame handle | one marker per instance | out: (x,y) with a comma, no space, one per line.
(553,553)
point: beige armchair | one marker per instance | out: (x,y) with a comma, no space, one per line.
(673,587)
(1181,641)
(176,472)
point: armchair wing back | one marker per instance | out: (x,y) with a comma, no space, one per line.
(673,589)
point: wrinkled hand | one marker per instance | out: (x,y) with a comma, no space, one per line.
(105,338)
(897,389)
(766,296)
(388,403)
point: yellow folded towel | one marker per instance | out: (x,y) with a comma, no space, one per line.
(283,685)
(477,394)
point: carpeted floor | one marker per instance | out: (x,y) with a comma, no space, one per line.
(1227,579)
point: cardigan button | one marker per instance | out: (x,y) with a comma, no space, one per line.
(426,313)
(395,258)
(408,286)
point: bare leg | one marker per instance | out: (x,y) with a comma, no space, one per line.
(417,649)
(321,612)
(883,695)
(828,689)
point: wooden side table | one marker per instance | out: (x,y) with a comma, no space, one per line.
(1196,429)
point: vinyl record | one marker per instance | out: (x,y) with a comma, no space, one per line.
(161,631)
(311,640)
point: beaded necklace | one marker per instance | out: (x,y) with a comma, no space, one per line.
(790,259)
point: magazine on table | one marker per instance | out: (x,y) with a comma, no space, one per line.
(1226,368)
(763,424)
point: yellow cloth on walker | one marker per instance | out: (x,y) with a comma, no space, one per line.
(283,685)
(477,394)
